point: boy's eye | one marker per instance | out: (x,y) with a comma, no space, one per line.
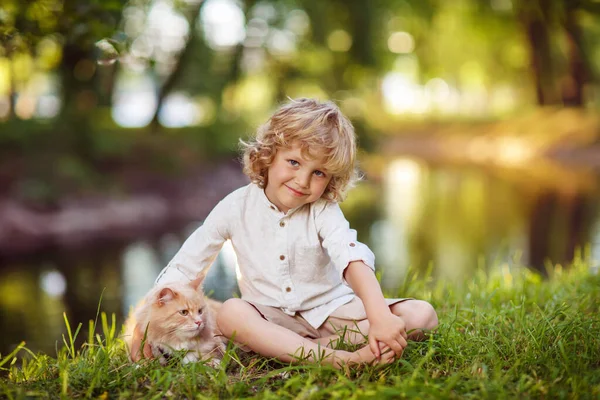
(184,312)
(293,163)
(320,173)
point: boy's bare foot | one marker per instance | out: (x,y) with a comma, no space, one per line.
(364,355)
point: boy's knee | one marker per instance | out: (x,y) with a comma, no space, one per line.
(426,315)
(231,311)
(421,314)
(433,317)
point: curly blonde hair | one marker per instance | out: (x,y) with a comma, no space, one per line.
(321,130)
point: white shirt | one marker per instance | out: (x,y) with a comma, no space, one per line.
(292,261)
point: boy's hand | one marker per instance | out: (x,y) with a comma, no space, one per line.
(390,330)
(136,342)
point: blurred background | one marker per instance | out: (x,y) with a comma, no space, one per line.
(119,126)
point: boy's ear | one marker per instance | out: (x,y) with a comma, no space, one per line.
(196,284)
(165,296)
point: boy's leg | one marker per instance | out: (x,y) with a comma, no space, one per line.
(348,331)
(417,315)
(240,320)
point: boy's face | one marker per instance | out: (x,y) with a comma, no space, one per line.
(294,180)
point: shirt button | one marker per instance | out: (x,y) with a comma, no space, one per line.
(282,224)
(282,257)
(288,289)
(352,244)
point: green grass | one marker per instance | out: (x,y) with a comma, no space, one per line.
(507,334)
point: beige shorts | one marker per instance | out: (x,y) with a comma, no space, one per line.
(347,315)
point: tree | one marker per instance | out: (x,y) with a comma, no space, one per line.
(559,76)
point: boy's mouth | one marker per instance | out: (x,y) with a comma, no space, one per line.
(295,192)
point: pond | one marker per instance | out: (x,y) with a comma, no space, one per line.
(450,220)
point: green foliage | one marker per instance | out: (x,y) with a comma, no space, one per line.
(79,51)
(508,334)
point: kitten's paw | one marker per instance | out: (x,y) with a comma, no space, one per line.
(214,362)
(189,357)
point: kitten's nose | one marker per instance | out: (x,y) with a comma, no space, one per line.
(198,322)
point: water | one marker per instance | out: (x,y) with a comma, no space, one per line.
(453,220)
(461,219)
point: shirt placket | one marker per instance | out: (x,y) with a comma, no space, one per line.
(287,287)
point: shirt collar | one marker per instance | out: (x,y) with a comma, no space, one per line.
(271,206)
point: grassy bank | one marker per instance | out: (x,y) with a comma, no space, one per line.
(506,334)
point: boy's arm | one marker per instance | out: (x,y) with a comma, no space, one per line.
(384,326)
(197,253)
(342,247)
(201,248)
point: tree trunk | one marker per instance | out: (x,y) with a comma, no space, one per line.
(12,94)
(533,17)
(575,79)
(106,79)
(316,11)
(361,16)
(79,98)
(185,54)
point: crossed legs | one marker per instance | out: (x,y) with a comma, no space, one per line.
(240,320)
(418,315)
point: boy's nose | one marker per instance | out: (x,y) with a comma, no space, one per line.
(303,180)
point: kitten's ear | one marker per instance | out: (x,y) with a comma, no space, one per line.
(196,284)
(166,295)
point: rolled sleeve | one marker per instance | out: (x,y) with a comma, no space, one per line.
(339,240)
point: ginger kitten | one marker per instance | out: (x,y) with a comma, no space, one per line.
(177,316)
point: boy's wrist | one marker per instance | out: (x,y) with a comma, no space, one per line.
(380,314)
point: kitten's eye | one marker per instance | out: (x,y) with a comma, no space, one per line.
(200,311)
(184,312)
